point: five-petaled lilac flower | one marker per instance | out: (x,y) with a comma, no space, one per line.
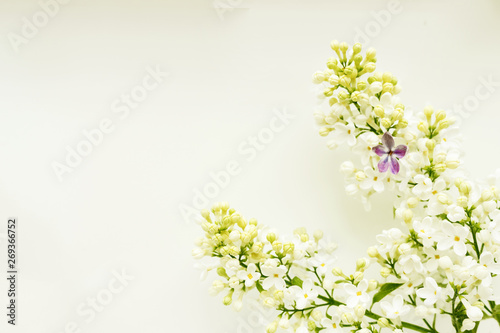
(389,154)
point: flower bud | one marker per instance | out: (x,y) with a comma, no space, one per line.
(486,195)
(407,215)
(465,188)
(356,48)
(440,115)
(324,131)
(424,128)
(422,311)
(375,86)
(443,124)
(348,71)
(328,92)
(318,234)
(271,237)
(372,252)
(445,262)
(404,248)
(269,302)
(240,221)
(198,253)
(440,158)
(361,264)
(284,323)
(213,229)
(397,115)
(379,111)
(218,286)
(462,201)
(383,323)
(357,59)
(453,164)
(359,311)
(337,271)
(347,168)
(428,111)
(347,318)
(233,250)
(316,315)
(238,304)
(206,215)
(358,276)
(440,167)
(278,295)
(412,202)
(277,246)
(343,96)
(468,325)
(489,206)
(403,123)
(257,247)
(360,176)
(351,189)
(355,95)
(370,53)
(288,248)
(479,211)
(387,77)
(345,81)
(318,77)
(344,47)
(386,123)
(443,198)
(228,299)
(333,80)
(385,272)
(370,67)
(234,282)
(361,85)
(484,236)
(496,192)
(221,271)
(430,144)
(387,87)
(272,328)
(478,304)
(372,285)
(481,272)
(328,284)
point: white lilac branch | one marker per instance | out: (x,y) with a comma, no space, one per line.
(440,264)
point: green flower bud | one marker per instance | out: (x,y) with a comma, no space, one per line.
(271,237)
(387,77)
(371,54)
(361,85)
(334,45)
(383,322)
(356,48)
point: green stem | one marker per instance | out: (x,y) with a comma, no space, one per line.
(375,316)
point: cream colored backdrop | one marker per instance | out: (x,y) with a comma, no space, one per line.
(101,151)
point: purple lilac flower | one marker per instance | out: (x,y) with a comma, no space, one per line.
(389,154)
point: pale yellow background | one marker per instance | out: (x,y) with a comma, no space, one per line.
(119,209)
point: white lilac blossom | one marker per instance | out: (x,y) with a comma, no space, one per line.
(435,273)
